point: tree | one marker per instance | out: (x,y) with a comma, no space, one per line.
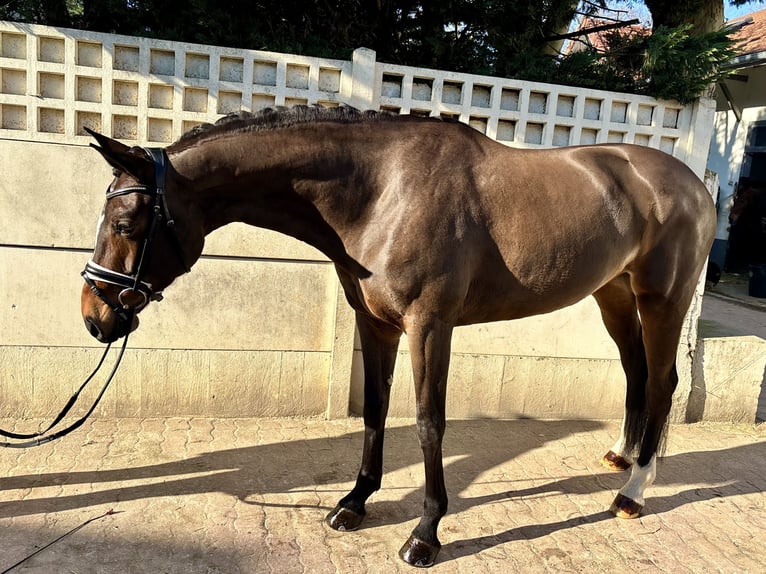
(512,38)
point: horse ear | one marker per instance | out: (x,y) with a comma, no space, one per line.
(119,157)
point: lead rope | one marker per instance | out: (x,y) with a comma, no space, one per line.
(42,437)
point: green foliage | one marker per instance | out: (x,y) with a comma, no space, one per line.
(669,64)
(508,38)
(680,66)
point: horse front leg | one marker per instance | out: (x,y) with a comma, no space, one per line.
(430,351)
(379,348)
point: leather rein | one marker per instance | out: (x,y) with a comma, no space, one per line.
(131,283)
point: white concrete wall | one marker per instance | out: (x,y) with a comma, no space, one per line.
(259,327)
(729,375)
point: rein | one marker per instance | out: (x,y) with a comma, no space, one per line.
(131,283)
(38,438)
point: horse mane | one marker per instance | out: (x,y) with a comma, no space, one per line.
(278,118)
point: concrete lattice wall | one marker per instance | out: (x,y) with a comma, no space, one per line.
(260,326)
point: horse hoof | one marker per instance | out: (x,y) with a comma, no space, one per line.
(624,507)
(416,552)
(614,461)
(344,519)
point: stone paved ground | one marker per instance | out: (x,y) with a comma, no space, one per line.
(248,496)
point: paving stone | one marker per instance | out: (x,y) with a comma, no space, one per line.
(249,495)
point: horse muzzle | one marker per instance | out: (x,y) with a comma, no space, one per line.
(110,331)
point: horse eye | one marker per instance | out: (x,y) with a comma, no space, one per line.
(122,228)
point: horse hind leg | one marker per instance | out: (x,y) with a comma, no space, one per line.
(620,315)
(662,320)
(664,283)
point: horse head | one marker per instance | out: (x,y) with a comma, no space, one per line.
(140,249)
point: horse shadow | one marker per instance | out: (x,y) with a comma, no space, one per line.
(294,465)
(471,449)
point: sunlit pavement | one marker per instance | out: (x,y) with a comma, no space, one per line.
(249,495)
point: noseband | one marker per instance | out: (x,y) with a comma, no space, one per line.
(133,283)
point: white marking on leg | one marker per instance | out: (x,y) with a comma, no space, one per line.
(619,446)
(641,477)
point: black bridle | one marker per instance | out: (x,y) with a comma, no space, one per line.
(132,283)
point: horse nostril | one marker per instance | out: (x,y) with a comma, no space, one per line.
(94,330)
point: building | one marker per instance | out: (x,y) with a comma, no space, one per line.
(738,151)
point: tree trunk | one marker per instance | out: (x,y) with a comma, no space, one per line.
(703,15)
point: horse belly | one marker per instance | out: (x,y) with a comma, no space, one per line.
(500,294)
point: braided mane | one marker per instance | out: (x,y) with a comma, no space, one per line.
(276,118)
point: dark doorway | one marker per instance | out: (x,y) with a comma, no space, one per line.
(747,234)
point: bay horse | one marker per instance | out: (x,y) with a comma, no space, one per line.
(430,225)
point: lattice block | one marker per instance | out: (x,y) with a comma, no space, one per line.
(478,123)
(229,102)
(452,93)
(592,109)
(50,120)
(615,137)
(481,96)
(422,88)
(261,101)
(162,62)
(329,80)
(125,93)
(538,102)
(642,139)
(392,86)
(13,81)
(195,100)
(509,99)
(160,96)
(89,54)
(670,119)
(159,130)
(265,73)
(126,58)
(506,130)
(197,66)
(588,136)
(88,89)
(296,102)
(562,135)
(297,77)
(13,46)
(668,144)
(231,69)
(89,120)
(534,133)
(187,125)
(50,86)
(645,115)
(13,117)
(50,49)
(565,106)
(125,127)
(619,113)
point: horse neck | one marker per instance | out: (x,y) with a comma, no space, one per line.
(303,182)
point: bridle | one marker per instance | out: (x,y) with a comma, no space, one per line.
(133,283)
